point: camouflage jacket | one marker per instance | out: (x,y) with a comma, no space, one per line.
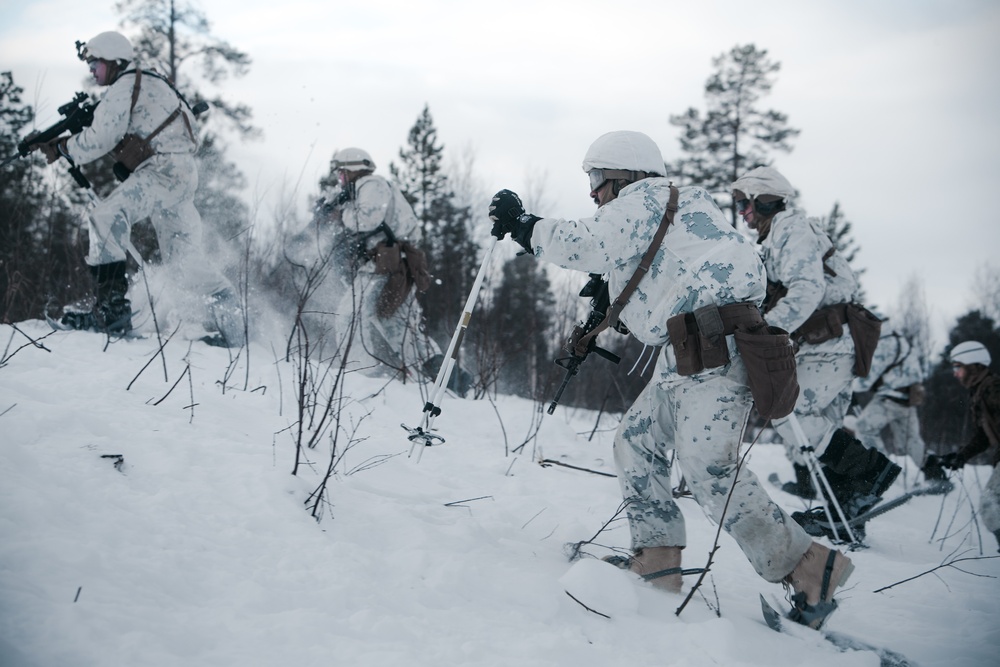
(794,253)
(114,118)
(895,366)
(702,259)
(375,201)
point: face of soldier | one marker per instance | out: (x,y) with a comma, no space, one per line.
(603,193)
(744,207)
(100,70)
(959,371)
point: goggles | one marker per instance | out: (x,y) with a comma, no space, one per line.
(598,177)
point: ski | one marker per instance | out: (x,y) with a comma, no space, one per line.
(839,640)
(819,522)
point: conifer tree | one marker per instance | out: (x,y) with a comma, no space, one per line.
(519,322)
(39,254)
(451,253)
(734,135)
(838,228)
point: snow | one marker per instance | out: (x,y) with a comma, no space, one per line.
(199,549)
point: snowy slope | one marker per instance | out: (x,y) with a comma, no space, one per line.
(200,550)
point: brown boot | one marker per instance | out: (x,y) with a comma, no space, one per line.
(661,566)
(814,580)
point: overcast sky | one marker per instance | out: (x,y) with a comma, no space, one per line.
(898,101)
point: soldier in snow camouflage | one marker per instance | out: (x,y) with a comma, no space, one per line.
(809,286)
(140,103)
(701,262)
(970,363)
(895,379)
(367,209)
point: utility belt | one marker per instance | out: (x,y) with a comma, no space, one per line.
(699,341)
(828,323)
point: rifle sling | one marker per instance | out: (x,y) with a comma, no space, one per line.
(171,118)
(614,312)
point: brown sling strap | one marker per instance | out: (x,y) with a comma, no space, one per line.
(171,118)
(614,312)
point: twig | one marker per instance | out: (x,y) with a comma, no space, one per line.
(163,344)
(950,563)
(593,611)
(457,503)
(187,369)
(545,462)
(718,531)
(577,546)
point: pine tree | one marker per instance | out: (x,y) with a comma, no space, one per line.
(451,253)
(734,135)
(519,326)
(838,228)
(40,257)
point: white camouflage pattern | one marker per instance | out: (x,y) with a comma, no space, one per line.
(398,341)
(701,417)
(161,188)
(895,366)
(793,254)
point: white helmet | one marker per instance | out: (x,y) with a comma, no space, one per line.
(107,46)
(352,159)
(626,151)
(764,181)
(970,352)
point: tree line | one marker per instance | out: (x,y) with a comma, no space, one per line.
(523,317)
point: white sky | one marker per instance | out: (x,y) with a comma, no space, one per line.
(897,101)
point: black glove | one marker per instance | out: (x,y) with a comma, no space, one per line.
(344,196)
(508,216)
(505,209)
(952,461)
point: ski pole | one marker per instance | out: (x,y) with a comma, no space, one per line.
(817,477)
(422,434)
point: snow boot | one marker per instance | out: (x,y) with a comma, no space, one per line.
(802,486)
(112,311)
(661,566)
(858,475)
(820,572)
(226,319)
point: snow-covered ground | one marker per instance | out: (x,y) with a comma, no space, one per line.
(199,549)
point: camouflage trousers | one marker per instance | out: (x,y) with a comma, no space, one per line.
(989,502)
(902,421)
(825,373)
(162,189)
(701,418)
(382,346)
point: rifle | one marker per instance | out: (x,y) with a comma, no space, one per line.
(600,302)
(76,114)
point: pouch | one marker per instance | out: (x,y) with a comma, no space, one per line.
(132,151)
(865,331)
(685,345)
(769,358)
